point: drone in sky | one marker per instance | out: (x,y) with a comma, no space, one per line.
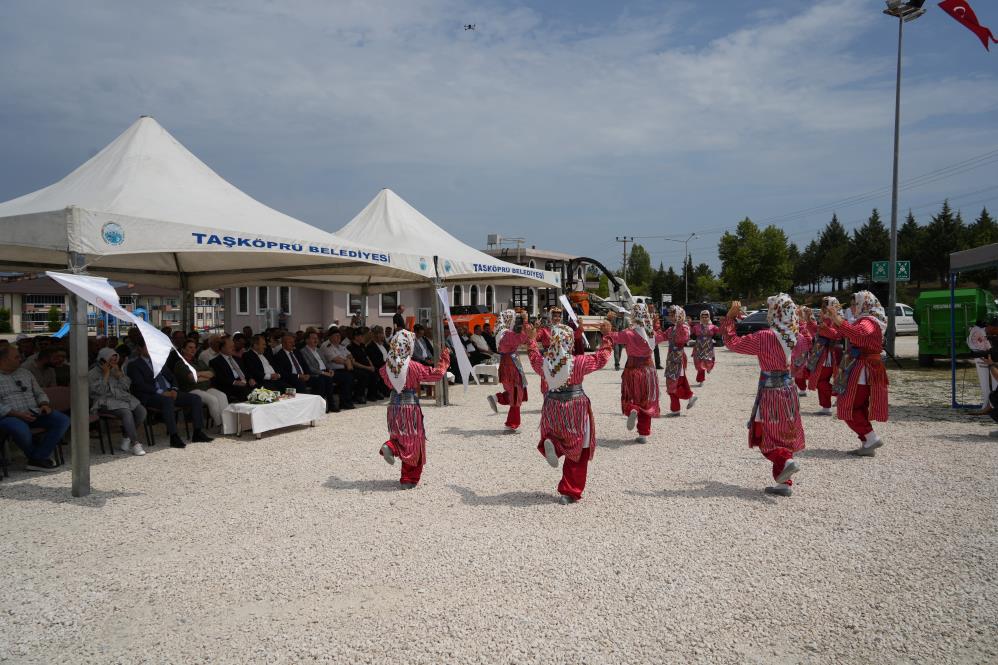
(470,26)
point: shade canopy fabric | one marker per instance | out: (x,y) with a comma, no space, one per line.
(399,227)
(145,205)
(985,256)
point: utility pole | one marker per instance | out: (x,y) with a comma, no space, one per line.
(623,265)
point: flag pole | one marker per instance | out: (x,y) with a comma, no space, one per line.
(892,267)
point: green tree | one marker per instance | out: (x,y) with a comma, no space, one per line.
(55,319)
(5,326)
(944,234)
(807,271)
(984,231)
(834,250)
(639,270)
(870,242)
(911,247)
(603,290)
(753,261)
(658,284)
(793,253)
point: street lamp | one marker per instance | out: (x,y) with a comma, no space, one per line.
(686,259)
(904,12)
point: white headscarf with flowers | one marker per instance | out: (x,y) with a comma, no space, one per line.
(399,356)
(782,319)
(642,323)
(558,358)
(506,320)
(869,305)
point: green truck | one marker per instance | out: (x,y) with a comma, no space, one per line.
(932,312)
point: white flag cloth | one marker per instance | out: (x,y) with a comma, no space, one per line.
(463,364)
(571,314)
(99,293)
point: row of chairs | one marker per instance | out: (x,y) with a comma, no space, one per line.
(102,423)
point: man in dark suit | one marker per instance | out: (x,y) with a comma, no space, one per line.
(229,376)
(398,321)
(368,383)
(160,392)
(258,368)
(291,367)
(422,350)
(324,380)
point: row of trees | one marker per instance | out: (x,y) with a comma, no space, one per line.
(758,261)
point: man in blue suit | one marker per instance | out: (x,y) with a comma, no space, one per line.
(160,392)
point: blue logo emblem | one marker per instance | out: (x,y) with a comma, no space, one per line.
(113,234)
(423,265)
(447,266)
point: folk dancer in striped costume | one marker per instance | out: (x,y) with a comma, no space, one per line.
(775,425)
(826,356)
(514,381)
(676,382)
(865,395)
(567,426)
(407,436)
(639,381)
(703,350)
(557,318)
(801,357)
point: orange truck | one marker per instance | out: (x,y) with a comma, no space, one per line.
(471,316)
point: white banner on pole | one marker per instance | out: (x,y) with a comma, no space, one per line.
(571,314)
(99,293)
(463,364)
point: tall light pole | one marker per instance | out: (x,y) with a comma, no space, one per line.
(686,259)
(904,12)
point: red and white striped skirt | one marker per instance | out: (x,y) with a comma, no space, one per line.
(639,387)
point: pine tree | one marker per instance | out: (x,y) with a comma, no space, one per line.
(870,242)
(834,252)
(984,231)
(910,245)
(944,234)
(639,271)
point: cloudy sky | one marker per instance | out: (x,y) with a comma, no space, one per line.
(568,122)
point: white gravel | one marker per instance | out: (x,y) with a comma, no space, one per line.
(300,547)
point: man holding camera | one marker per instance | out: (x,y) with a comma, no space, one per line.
(23,406)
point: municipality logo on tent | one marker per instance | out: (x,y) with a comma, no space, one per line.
(113,234)
(423,265)
(447,266)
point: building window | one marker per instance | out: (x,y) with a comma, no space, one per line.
(43,300)
(458,299)
(490,298)
(354,303)
(548,297)
(473,295)
(284,299)
(388,303)
(262,299)
(523,297)
(242,298)
(171,302)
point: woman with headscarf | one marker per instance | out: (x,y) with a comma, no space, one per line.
(801,356)
(567,425)
(703,348)
(639,382)
(514,381)
(407,436)
(864,398)
(774,426)
(676,382)
(826,355)
(980,347)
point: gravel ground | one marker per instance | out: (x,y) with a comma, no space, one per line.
(300,547)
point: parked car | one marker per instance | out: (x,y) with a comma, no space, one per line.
(752,323)
(904,320)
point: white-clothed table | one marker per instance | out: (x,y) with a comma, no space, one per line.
(261,418)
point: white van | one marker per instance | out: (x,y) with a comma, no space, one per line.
(904,320)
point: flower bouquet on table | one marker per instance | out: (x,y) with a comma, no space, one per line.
(263,396)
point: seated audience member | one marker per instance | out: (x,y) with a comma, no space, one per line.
(240,346)
(127,349)
(335,353)
(299,339)
(214,344)
(286,362)
(229,376)
(365,374)
(160,391)
(25,347)
(422,350)
(24,406)
(377,349)
(213,398)
(247,333)
(257,366)
(324,380)
(61,368)
(110,391)
(179,339)
(490,339)
(274,345)
(40,366)
(481,352)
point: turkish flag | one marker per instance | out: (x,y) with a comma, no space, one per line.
(961,11)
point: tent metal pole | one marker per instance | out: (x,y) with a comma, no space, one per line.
(79,389)
(186,298)
(438,332)
(364,288)
(952,336)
